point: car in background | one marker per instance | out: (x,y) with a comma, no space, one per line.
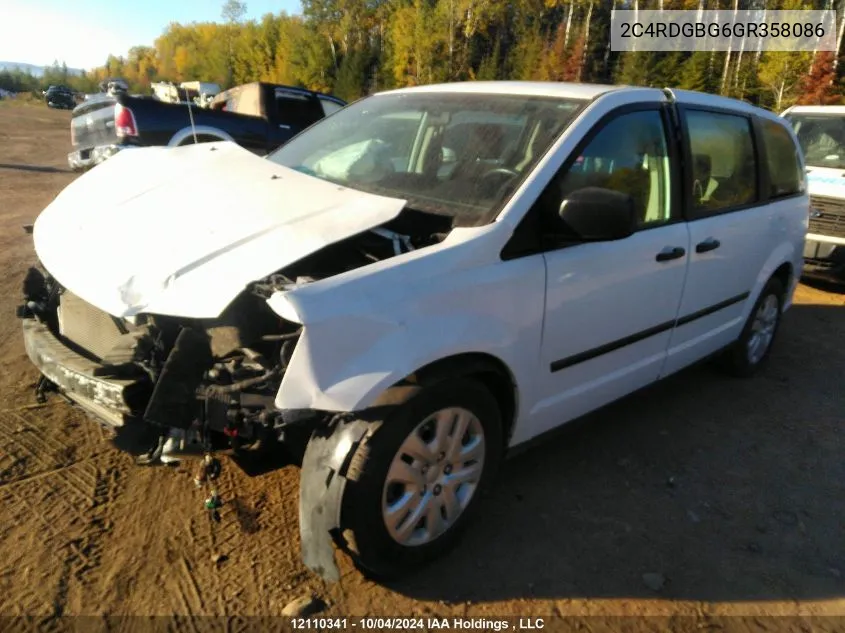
(60,97)
(821,133)
(258,116)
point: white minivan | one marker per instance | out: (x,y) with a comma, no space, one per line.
(417,284)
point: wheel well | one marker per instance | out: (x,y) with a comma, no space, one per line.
(486,369)
(201,138)
(784,274)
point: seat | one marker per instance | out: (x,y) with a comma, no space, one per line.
(701,173)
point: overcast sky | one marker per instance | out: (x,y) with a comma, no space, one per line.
(82,33)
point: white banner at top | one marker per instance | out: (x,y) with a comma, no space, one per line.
(668,31)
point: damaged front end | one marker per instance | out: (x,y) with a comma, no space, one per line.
(220,373)
(171,372)
(213,377)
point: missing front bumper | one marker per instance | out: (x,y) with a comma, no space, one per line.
(112,400)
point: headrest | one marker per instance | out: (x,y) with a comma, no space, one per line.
(701,166)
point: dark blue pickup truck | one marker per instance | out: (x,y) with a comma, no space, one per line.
(258,116)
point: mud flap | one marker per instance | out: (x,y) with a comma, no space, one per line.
(322,482)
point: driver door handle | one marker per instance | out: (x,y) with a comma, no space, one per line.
(669,253)
(710,244)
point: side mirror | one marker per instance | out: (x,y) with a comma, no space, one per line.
(595,214)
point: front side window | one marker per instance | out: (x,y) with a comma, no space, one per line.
(784,163)
(628,155)
(461,155)
(822,138)
(724,168)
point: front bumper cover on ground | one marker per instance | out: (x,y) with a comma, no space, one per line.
(109,399)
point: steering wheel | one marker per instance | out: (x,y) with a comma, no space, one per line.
(500,171)
(494,180)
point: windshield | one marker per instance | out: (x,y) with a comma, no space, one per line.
(454,154)
(822,138)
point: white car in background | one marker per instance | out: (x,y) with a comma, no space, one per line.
(420,282)
(821,133)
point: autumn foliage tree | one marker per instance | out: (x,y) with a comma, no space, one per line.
(818,87)
(354,47)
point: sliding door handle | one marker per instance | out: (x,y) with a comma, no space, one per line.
(710,244)
(670,252)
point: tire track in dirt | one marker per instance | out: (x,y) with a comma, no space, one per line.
(69,504)
(37,446)
(22,507)
(25,478)
(216,538)
(59,459)
(88,548)
(255,536)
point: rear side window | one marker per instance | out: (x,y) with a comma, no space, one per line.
(724,167)
(297,110)
(783,161)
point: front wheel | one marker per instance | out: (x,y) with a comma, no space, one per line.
(415,482)
(752,348)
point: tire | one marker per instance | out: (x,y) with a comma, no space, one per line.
(367,493)
(741,359)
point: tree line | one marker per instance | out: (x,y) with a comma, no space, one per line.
(355,47)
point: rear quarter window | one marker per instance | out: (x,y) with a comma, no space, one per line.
(297,110)
(783,161)
(329,106)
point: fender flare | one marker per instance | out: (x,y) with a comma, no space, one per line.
(785,253)
(201,130)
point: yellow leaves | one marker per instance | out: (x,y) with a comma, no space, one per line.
(181,60)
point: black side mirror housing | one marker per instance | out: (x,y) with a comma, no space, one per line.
(595,214)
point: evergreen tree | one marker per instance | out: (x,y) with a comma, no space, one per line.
(638,68)
(697,73)
(488,70)
(353,75)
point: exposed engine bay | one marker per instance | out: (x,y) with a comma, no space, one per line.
(221,374)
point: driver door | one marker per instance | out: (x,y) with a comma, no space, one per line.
(611,306)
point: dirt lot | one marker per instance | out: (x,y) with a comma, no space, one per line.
(734,491)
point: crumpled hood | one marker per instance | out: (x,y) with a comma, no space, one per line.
(181,231)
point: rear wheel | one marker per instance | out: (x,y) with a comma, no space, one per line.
(752,348)
(415,482)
